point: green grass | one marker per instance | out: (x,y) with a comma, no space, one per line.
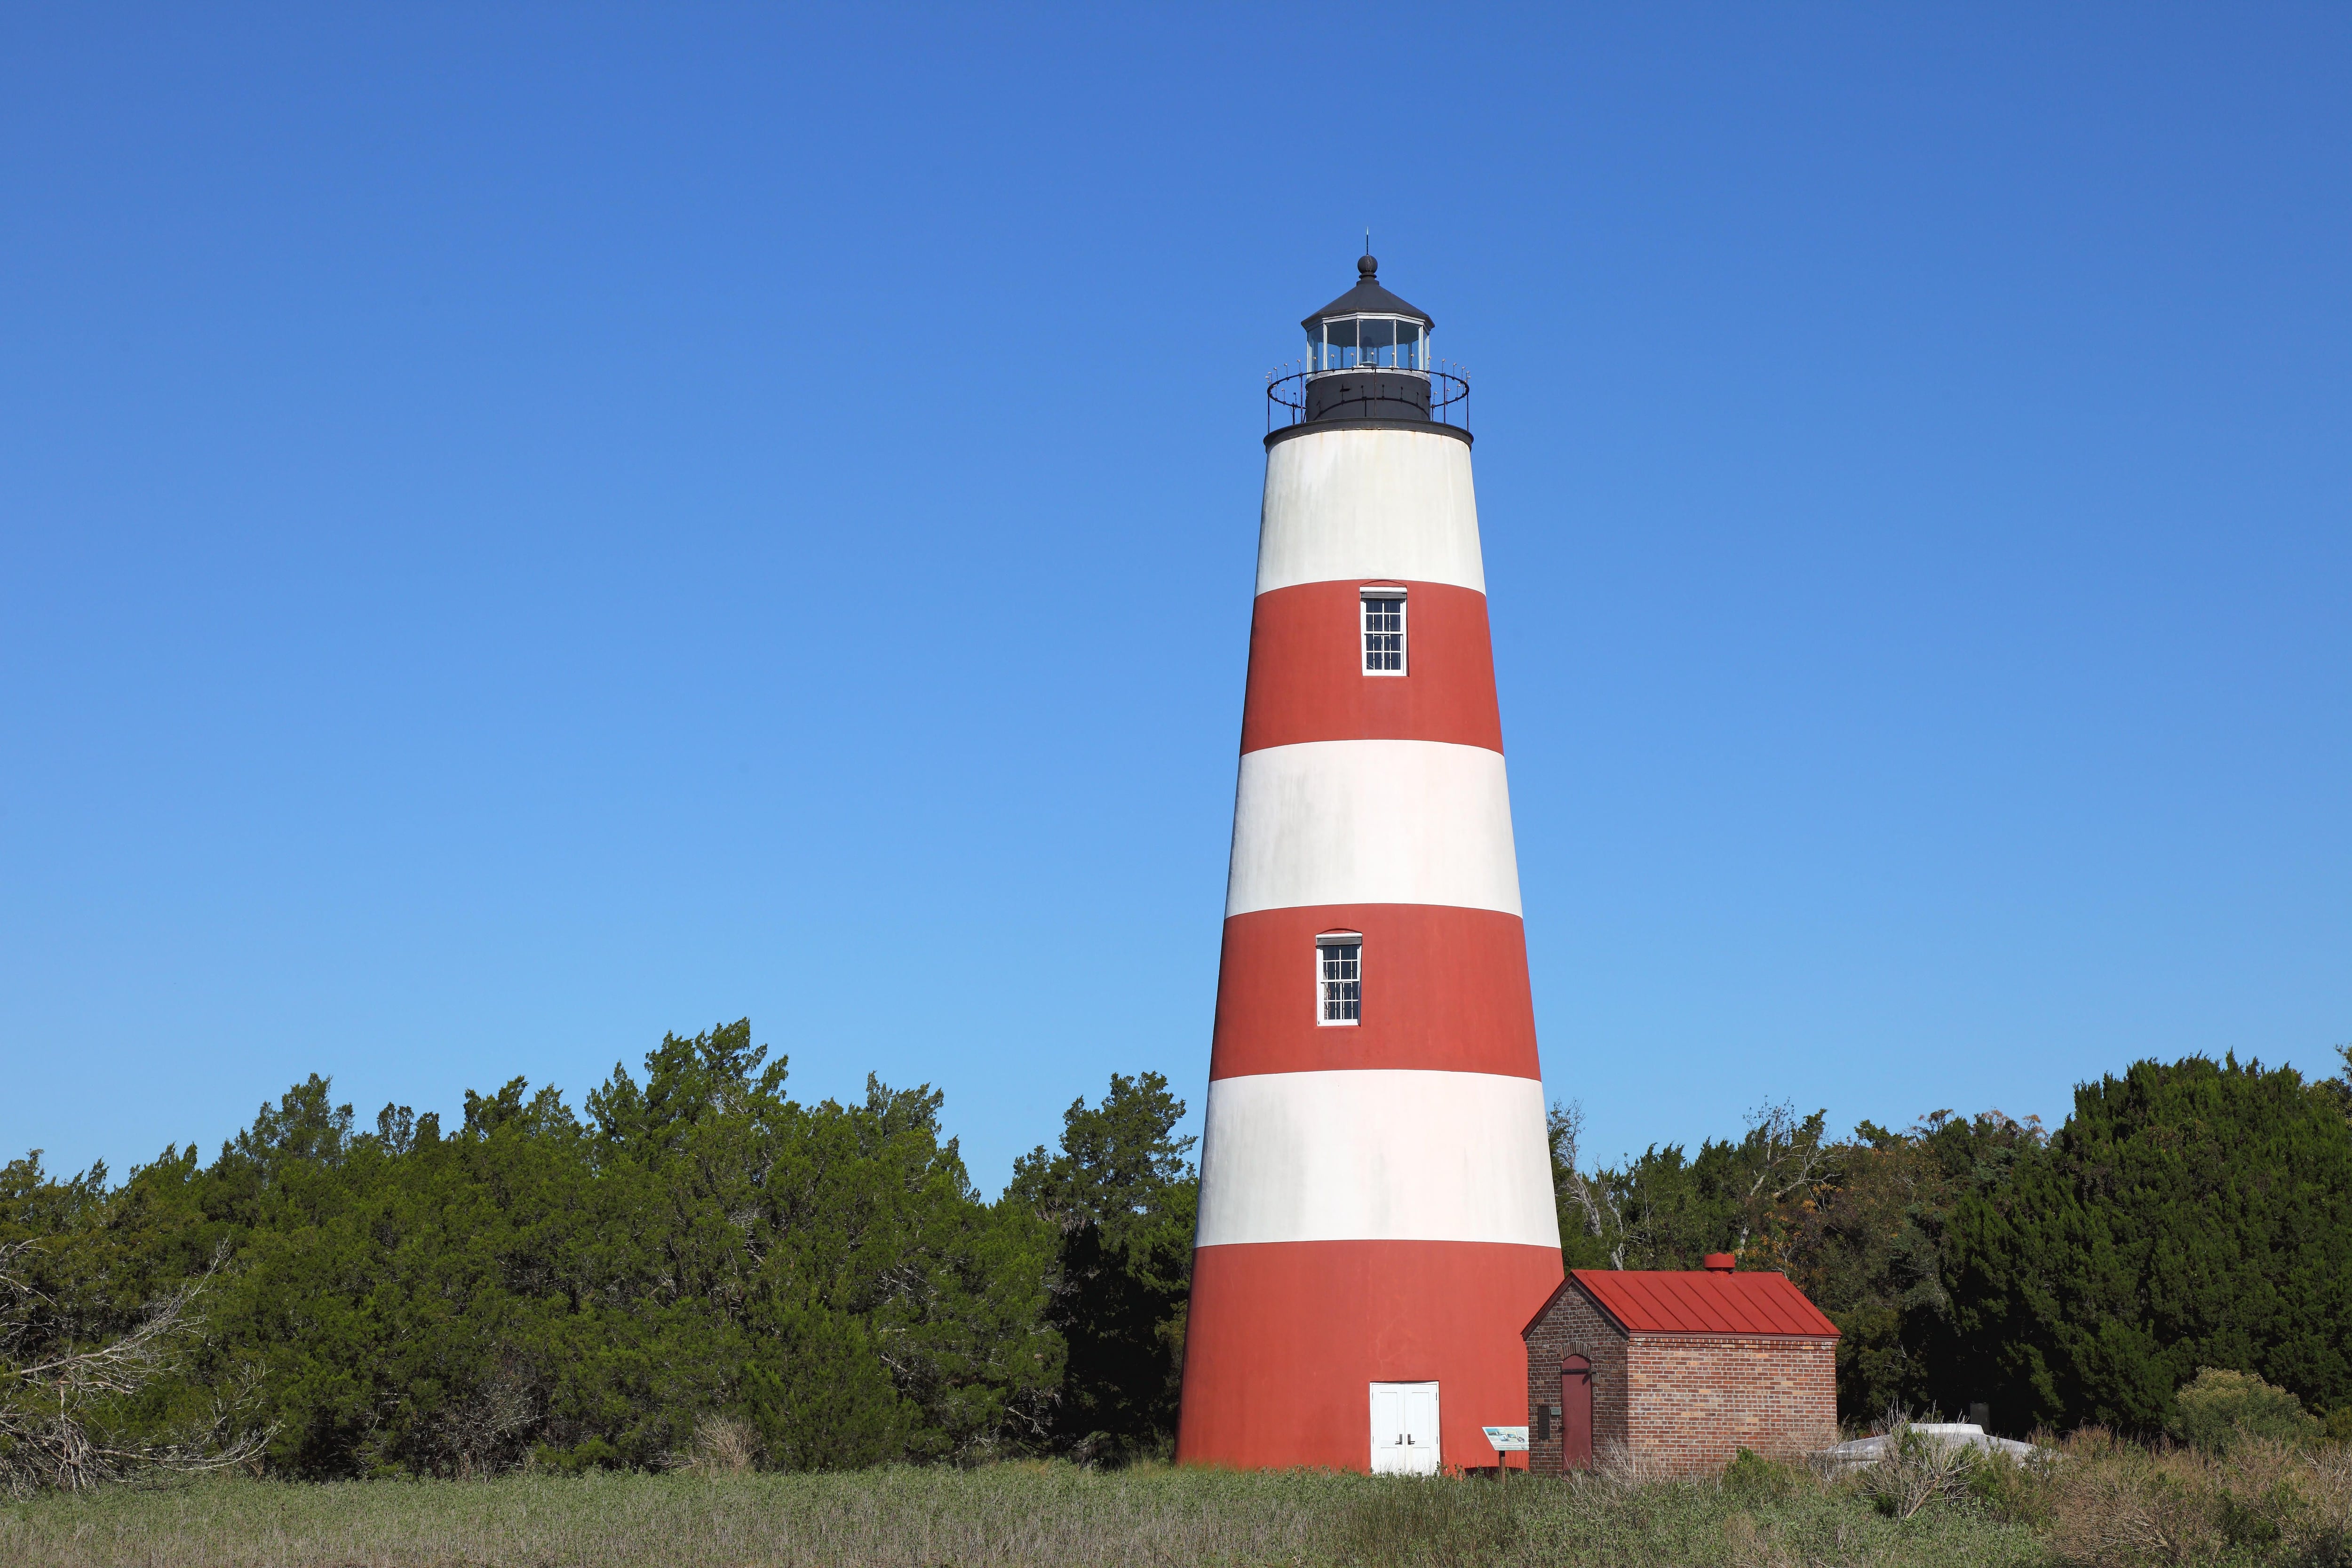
(1007,1514)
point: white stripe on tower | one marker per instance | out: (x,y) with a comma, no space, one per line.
(1352,505)
(1372,822)
(1349,1156)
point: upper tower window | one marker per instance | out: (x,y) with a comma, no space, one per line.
(1338,977)
(1383,631)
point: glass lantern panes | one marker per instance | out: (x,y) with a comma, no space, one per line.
(1368,343)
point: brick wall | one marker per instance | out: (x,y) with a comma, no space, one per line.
(1574,1326)
(1696,1399)
(1681,1404)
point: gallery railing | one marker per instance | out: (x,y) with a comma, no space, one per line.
(1448,390)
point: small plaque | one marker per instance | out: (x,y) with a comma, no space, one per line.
(1508,1439)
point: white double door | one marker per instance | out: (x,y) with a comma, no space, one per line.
(1404,1428)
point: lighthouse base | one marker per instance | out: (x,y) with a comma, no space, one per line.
(1285,1340)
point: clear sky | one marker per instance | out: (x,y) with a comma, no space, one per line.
(523,528)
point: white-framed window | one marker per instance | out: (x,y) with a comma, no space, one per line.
(1339,977)
(1383,631)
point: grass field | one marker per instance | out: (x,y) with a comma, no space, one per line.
(2100,1505)
(1007,1514)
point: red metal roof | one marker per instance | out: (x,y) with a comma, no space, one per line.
(1703,1301)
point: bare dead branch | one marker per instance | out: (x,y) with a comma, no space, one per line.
(52,1410)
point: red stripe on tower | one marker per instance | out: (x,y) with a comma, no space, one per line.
(1376,1207)
(1307,669)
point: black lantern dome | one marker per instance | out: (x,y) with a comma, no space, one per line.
(1391,331)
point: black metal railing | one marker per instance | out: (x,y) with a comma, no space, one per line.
(1448,389)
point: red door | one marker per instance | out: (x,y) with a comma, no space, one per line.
(1575,1414)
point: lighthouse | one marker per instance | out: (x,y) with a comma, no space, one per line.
(1377,1221)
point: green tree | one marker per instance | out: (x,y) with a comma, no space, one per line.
(1123,1199)
(1857,1223)
(535,1284)
(2195,1214)
(1666,1209)
(100,1342)
(2339,1087)
(1868,1249)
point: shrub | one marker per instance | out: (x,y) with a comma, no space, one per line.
(2011,1492)
(723,1446)
(1918,1469)
(1752,1479)
(2264,1502)
(2220,1408)
(2118,1507)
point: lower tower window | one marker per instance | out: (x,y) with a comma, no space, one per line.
(1338,977)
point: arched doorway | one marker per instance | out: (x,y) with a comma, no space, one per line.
(1575,1414)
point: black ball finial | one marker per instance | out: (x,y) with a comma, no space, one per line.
(1368,268)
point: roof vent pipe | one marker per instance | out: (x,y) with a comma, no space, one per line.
(1721,1262)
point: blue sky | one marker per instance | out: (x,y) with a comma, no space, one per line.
(523,528)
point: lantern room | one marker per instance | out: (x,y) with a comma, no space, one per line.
(1367,359)
(1357,333)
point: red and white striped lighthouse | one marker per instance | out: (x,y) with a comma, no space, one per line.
(1377,1223)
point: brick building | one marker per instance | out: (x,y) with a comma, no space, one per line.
(1676,1371)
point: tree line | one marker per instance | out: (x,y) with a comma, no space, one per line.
(581,1289)
(2190,1215)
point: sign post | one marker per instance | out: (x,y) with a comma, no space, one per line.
(1507,1441)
